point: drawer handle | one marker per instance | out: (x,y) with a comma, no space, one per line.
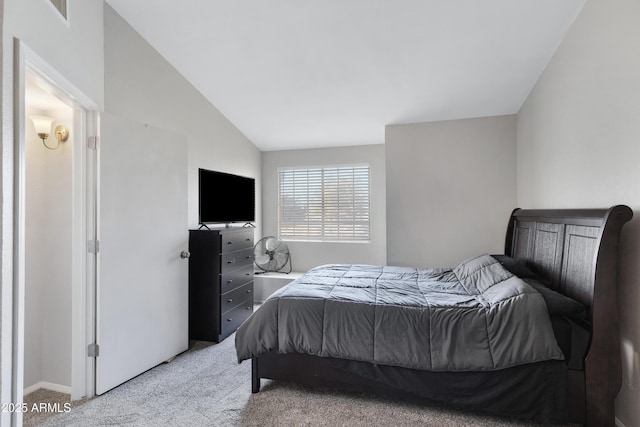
(248,291)
(229,262)
(247,274)
(229,281)
(247,257)
(248,239)
(229,320)
(229,243)
(248,308)
(230,300)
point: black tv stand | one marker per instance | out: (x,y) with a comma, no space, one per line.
(226,225)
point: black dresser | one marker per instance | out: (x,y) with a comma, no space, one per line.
(220,281)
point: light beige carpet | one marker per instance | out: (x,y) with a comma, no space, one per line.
(207,387)
(53,398)
(282,404)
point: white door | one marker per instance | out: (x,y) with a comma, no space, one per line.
(142,295)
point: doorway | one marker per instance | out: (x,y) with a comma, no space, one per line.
(129,291)
(48,236)
(54,211)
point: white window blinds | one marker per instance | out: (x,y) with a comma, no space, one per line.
(324,203)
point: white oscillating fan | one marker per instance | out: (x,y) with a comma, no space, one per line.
(271,254)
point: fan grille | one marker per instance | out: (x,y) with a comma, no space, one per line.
(271,254)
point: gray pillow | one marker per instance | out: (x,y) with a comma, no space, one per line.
(557,304)
(515,267)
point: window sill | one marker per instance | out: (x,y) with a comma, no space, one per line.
(325,241)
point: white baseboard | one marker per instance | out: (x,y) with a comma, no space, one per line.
(619,423)
(48,386)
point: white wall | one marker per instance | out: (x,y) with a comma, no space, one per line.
(36,183)
(75,51)
(142,86)
(306,255)
(48,225)
(74,48)
(579,146)
(451,187)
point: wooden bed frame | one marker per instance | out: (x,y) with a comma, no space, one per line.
(576,251)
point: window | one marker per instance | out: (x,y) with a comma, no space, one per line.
(326,204)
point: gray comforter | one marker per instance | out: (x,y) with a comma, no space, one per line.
(477,316)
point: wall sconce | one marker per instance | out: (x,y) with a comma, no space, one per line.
(43,129)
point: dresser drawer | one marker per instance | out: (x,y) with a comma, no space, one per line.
(232,260)
(236,240)
(235,297)
(234,317)
(235,278)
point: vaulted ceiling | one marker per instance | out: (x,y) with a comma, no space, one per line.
(314,73)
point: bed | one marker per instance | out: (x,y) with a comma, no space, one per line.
(549,368)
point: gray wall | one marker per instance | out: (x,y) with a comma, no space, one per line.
(451,187)
(579,146)
(141,85)
(306,255)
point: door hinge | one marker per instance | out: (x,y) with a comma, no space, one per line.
(92,142)
(93,350)
(93,246)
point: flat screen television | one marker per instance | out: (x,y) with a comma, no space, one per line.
(225,198)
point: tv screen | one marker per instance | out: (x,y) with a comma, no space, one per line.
(226,198)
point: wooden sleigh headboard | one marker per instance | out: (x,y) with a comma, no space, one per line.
(576,252)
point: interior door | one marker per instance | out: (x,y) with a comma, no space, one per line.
(142,291)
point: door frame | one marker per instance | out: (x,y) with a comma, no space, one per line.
(84,190)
